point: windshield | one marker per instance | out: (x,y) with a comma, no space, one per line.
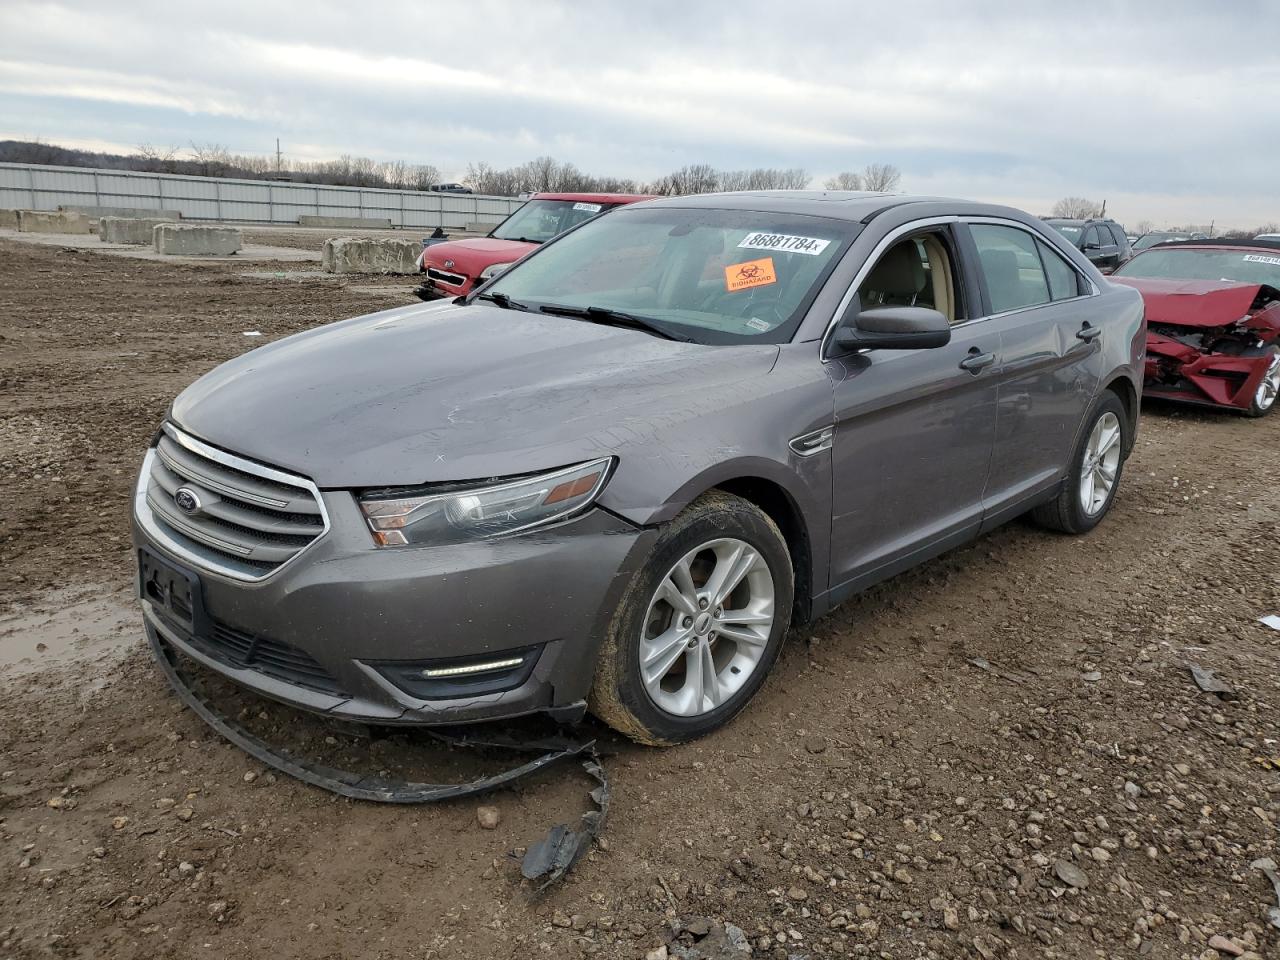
(1151,239)
(713,276)
(540,220)
(1199,263)
(1068,230)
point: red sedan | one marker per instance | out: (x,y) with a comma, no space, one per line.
(455,267)
(1213,321)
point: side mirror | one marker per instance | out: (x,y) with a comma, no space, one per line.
(893,328)
(1093,246)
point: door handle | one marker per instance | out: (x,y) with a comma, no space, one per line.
(1088,332)
(976,362)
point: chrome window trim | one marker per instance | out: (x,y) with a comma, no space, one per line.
(898,232)
(208,561)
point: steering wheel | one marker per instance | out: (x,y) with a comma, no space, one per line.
(763,308)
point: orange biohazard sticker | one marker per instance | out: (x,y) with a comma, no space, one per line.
(753,273)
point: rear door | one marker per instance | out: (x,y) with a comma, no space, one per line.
(914,429)
(1049,324)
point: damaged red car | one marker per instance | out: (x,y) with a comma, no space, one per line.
(1213,321)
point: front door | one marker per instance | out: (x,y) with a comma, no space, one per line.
(914,429)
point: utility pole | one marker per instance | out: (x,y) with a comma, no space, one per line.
(277,154)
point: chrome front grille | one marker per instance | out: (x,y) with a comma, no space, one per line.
(225,513)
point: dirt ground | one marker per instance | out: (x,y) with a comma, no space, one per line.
(1000,754)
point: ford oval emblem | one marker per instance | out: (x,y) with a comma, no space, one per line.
(186,499)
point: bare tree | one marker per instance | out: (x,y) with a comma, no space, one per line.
(881,178)
(1077,208)
(844,181)
(1144,226)
(156,159)
(212,159)
(423,175)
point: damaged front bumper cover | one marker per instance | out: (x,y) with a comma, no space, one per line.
(548,860)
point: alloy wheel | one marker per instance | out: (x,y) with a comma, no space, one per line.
(1101,464)
(1269,388)
(707,627)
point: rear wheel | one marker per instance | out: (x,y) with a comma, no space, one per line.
(1094,476)
(700,626)
(1264,398)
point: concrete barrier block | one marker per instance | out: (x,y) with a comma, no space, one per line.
(97,213)
(356,255)
(129,229)
(180,240)
(52,221)
(345,223)
(481,226)
(9,219)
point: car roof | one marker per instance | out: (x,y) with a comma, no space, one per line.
(1076,221)
(595,197)
(836,204)
(1254,244)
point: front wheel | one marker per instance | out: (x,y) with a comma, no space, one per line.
(1094,477)
(700,626)
(1264,398)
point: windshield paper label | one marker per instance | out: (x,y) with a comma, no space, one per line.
(783,243)
(753,273)
(1254,258)
(589,207)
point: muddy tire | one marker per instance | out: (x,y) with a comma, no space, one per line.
(699,627)
(1094,476)
(1265,397)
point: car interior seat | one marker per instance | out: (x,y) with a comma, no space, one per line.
(897,279)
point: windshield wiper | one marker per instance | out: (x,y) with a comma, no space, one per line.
(519,239)
(502,300)
(616,318)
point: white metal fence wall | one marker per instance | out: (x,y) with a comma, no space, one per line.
(27,186)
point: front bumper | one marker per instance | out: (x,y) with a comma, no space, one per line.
(354,609)
(1177,371)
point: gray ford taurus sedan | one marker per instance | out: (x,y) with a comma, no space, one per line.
(613,477)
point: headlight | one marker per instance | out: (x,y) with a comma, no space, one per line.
(491,271)
(481,512)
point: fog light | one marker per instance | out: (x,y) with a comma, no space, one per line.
(432,673)
(495,672)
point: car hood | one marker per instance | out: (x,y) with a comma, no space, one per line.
(472,256)
(1193,303)
(445,392)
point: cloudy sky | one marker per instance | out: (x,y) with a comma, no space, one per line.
(1167,110)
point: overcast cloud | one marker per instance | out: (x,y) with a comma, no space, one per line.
(1166,110)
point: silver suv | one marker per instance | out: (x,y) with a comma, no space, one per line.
(614,476)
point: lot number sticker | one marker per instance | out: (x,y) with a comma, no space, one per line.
(753,273)
(783,243)
(588,207)
(1254,258)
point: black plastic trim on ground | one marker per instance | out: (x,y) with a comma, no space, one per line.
(549,859)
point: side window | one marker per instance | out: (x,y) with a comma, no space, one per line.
(1064,282)
(1118,234)
(1011,266)
(1090,239)
(915,272)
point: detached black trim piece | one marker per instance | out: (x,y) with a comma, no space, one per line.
(548,859)
(346,783)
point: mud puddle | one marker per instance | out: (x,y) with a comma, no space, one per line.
(81,623)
